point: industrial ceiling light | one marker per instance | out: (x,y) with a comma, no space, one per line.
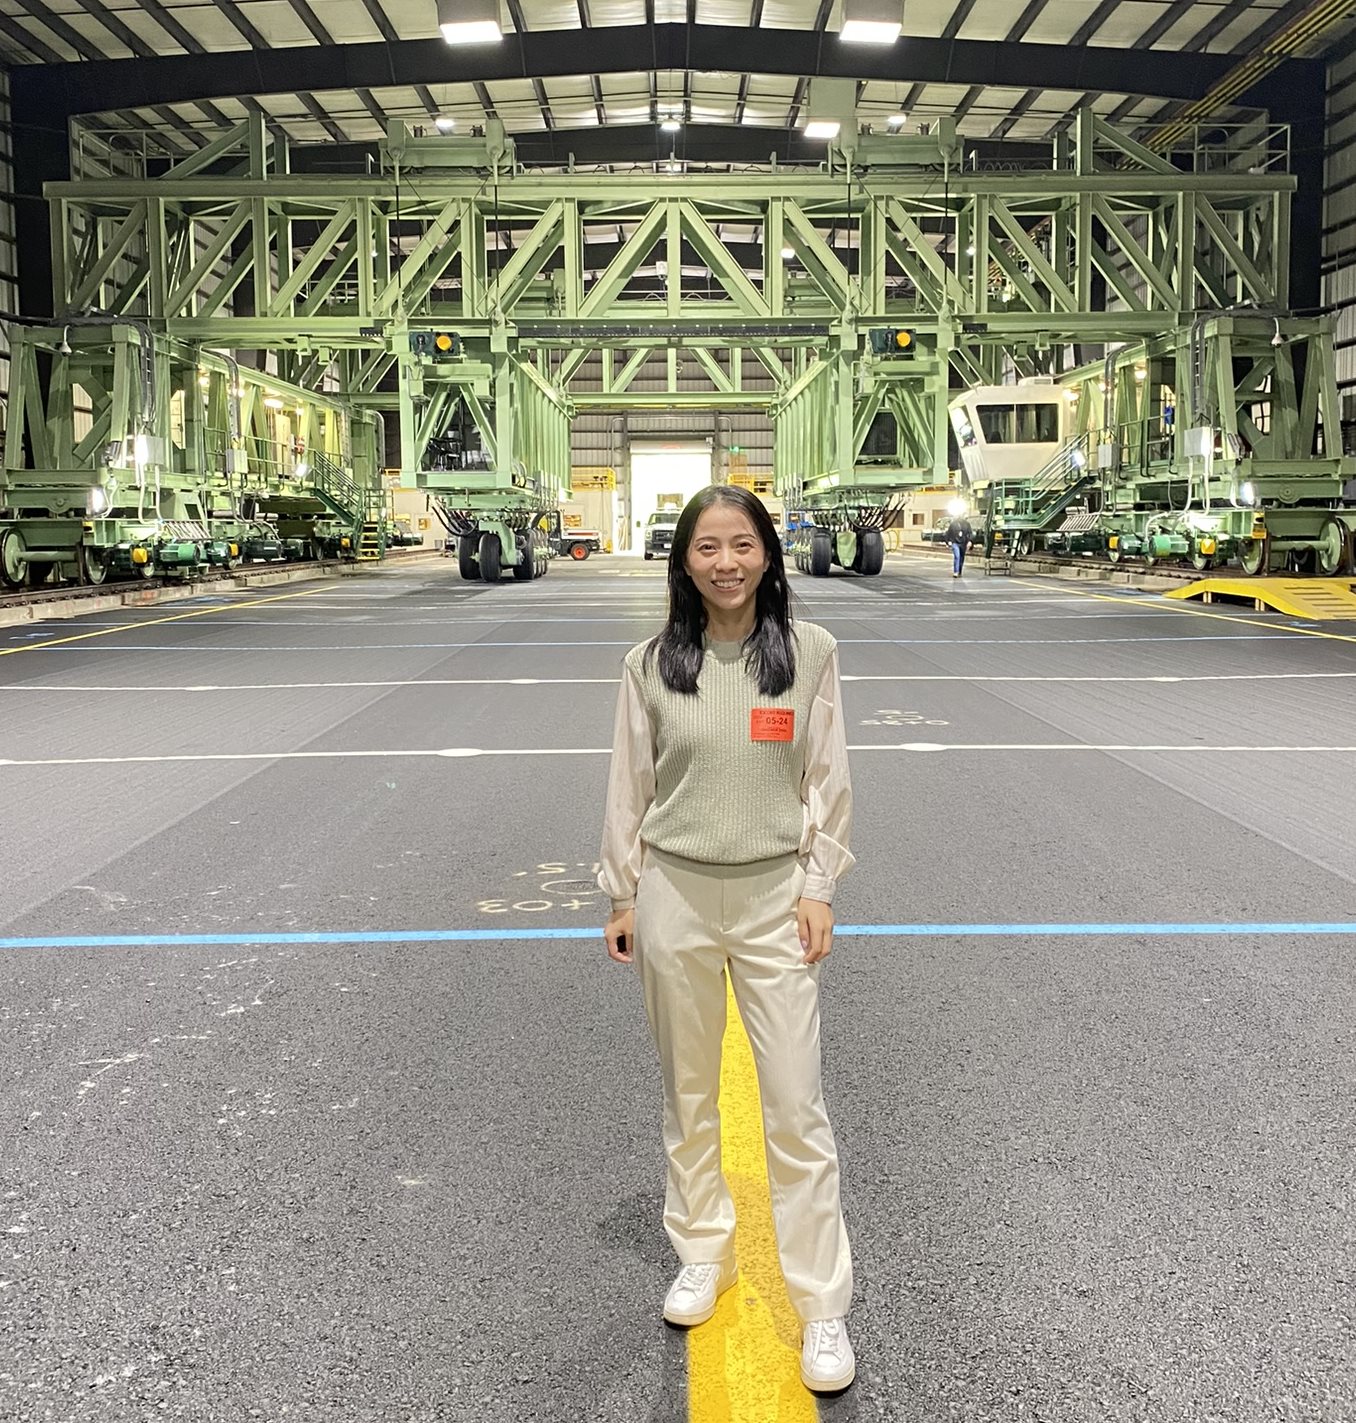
(830,107)
(444,124)
(897,121)
(788,254)
(872,21)
(469,21)
(671,124)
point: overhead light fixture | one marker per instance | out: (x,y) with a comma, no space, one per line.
(788,254)
(897,121)
(831,109)
(469,21)
(872,21)
(671,124)
(444,124)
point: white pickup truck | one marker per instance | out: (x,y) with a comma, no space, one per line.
(659,530)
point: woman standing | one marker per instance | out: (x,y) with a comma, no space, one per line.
(726,832)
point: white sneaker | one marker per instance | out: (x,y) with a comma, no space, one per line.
(827,1363)
(692,1296)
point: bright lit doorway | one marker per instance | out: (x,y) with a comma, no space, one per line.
(664,471)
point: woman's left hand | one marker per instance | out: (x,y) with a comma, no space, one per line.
(814,919)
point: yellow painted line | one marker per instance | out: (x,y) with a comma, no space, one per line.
(154,622)
(1166,607)
(743,1365)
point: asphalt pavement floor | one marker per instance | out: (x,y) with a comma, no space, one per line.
(325,1103)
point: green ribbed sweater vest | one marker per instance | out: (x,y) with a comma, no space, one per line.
(721,797)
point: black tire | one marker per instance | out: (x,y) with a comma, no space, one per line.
(490,566)
(821,553)
(468,565)
(526,570)
(579,552)
(871,552)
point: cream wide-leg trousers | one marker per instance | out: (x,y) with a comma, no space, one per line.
(694,923)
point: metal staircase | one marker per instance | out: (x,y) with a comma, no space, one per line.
(364,510)
(1038,502)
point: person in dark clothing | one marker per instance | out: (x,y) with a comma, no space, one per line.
(960,536)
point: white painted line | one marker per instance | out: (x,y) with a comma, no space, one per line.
(1184,640)
(466,753)
(84,689)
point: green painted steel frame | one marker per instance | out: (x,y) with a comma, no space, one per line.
(334,273)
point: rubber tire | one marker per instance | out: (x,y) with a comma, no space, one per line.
(468,564)
(871,552)
(648,557)
(526,570)
(821,553)
(579,552)
(491,568)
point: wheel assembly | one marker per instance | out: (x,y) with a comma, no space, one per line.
(821,553)
(526,568)
(871,552)
(468,564)
(1255,555)
(579,552)
(13,559)
(490,567)
(1332,552)
(93,564)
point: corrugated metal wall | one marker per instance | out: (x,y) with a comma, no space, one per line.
(1339,231)
(603,440)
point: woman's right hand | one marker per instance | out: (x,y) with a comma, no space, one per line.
(620,934)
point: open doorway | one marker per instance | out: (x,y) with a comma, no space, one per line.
(664,472)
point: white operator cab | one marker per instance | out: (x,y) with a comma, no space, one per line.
(1009,432)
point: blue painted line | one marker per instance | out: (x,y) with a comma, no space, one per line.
(845,931)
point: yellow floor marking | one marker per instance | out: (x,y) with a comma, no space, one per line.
(743,1366)
(153,622)
(1166,607)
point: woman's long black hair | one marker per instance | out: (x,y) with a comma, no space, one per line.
(769,650)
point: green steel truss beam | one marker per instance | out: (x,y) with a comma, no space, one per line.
(337,274)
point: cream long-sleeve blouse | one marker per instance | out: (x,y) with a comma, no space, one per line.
(825,792)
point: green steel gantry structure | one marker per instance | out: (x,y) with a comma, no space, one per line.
(463,296)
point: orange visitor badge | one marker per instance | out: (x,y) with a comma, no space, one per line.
(772,724)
